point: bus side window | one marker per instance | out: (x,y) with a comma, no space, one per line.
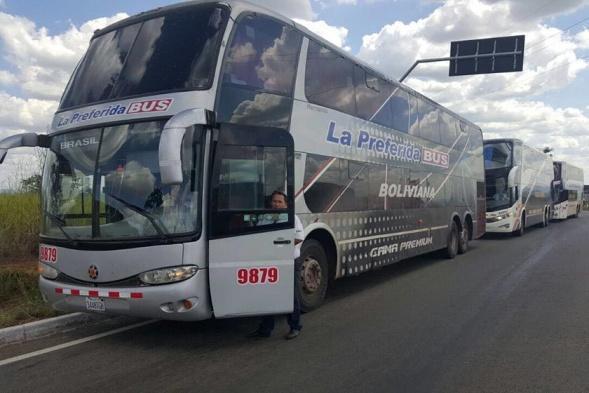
(247,178)
(329,79)
(372,94)
(448,129)
(413,116)
(259,73)
(400,110)
(429,128)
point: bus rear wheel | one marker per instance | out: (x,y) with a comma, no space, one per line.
(313,276)
(464,236)
(452,242)
(546,219)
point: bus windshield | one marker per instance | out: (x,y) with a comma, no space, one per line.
(104,184)
(498,155)
(176,50)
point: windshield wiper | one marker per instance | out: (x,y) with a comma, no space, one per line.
(60,223)
(158,227)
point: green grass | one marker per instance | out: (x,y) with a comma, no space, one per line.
(20,299)
(20,217)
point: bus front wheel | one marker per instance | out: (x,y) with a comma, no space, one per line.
(522,226)
(314,275)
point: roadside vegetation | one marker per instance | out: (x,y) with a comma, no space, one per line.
(20,215)
(20,299)
(19,230)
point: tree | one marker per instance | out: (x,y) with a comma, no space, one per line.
(31,184)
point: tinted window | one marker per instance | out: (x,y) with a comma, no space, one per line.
(170,52)
(259,73)
(497,155)
(247,177)
(95,77)
(428,121)
(329,79)
(413,116)
(338,185)
(372,94)
(448,129)
(400,110)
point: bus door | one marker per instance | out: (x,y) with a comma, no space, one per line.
(251,240)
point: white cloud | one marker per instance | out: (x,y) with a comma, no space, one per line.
(564,129)
(42,62)
(335,35)
(41,65)
(31,114)
(502,104)
(582,39)
(537,10)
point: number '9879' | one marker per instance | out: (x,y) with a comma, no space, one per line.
(257,275)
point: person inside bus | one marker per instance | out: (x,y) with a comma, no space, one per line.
(264,330)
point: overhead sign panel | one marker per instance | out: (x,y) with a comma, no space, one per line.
(487,56)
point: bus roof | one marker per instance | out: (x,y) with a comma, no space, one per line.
(500,140)
(239,6)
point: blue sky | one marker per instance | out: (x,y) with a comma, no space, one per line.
(546,105)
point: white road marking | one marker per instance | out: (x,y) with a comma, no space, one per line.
(72,343)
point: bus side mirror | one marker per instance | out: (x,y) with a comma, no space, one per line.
(30,139)
(170,148)
(513,176)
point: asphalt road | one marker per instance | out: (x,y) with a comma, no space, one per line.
(512,315)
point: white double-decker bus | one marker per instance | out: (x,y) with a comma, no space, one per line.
(518,183)
(179,124)
(568,190)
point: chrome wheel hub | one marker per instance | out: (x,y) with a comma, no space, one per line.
(311,275)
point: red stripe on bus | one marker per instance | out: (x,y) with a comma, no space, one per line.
(114,294)
(76,292)
(136,295)
(58,290)
(93,293)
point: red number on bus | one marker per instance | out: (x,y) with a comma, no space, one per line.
(254,275)
(242,276)
(273,275)
(48,254)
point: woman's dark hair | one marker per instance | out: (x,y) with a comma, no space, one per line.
(279,193)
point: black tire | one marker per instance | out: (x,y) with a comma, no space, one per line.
(522,227)
(452,241)
(578,213)
(314,275)
(546,219)
(463,241)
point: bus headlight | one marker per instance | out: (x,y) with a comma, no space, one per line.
(47,271)
(168,275)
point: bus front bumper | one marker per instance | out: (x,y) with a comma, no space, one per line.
(500,223)
(183,301)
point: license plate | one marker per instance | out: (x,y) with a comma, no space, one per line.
(95,304)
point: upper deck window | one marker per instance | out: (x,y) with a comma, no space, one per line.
(329,79)
(497,155)
(259,73)
(174,51)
